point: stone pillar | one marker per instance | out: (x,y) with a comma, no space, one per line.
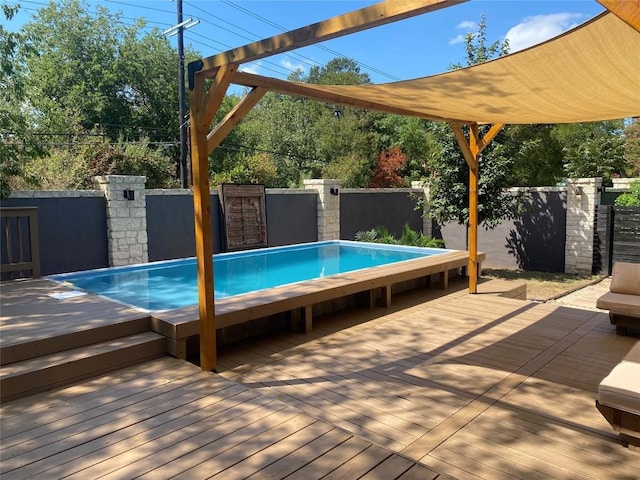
(328,207)
(126,218)
(427,221)
(583,197)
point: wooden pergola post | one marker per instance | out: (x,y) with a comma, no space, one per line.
(202,108)
(203,105)
(471,150)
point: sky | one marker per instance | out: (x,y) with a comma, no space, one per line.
(416,47)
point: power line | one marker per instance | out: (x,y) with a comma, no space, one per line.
(253,37)
(322,47)
(141,7)
(294,55)
(43,4)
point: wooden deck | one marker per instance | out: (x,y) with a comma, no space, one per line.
(167,419)
(470,386)
(436,386)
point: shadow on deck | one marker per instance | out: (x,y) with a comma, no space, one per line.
(437,385)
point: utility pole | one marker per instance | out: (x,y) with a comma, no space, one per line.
(182,170)
(182,122)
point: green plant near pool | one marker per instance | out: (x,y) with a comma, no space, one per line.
(409,237)
(630,199)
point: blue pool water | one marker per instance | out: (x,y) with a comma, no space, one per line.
(173,284)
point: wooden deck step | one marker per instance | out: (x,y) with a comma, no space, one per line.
(46,372)
(64,338)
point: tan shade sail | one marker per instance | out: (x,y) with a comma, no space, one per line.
(591,73)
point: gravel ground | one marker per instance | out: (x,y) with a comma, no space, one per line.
(586,297)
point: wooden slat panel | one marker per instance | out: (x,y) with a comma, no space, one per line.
(244,211)
(626,234)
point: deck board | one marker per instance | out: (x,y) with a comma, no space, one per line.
(482,362)
(437,386)
(30,314)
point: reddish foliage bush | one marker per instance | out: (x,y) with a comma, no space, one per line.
(387,171)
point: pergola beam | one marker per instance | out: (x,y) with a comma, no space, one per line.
(373,16)
(308,91)
(490,135)
(216,93)
(626,10)
(235,116)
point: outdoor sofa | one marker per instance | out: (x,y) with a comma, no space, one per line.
(623,298)
(619,398)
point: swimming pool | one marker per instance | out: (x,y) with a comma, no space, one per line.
(173,284)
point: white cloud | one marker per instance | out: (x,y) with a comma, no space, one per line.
(252,67)
(458,39)
(538,28)
(289,65)
(467,25)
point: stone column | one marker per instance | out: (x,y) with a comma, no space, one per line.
(126,218)
(328,207)
(583,197)
(427,221)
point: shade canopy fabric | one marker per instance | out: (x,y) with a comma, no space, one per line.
(590,73)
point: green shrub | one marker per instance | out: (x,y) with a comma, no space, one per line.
(631,198)
(75,167)
(409,237)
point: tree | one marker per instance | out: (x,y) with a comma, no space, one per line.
(285,128)
(73,80)
(337,71)
(537,155)
(386,173)
(476,47)
(309,139)
(448,171)
(630,198)
(592,149)
(88,74)
(86,157)
(449,183)
(410,135)
(16,144)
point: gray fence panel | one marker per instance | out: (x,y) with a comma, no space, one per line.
(534,242)
(292,218)
(170,226)
(72,230)
(626,235)
(602,247)
(365,211)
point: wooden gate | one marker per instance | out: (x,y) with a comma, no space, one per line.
(244,216)
(617,237)
(20,250)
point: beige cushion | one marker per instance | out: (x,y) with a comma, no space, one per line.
(620,304)
(633,355)
(625,278)
(621,388)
